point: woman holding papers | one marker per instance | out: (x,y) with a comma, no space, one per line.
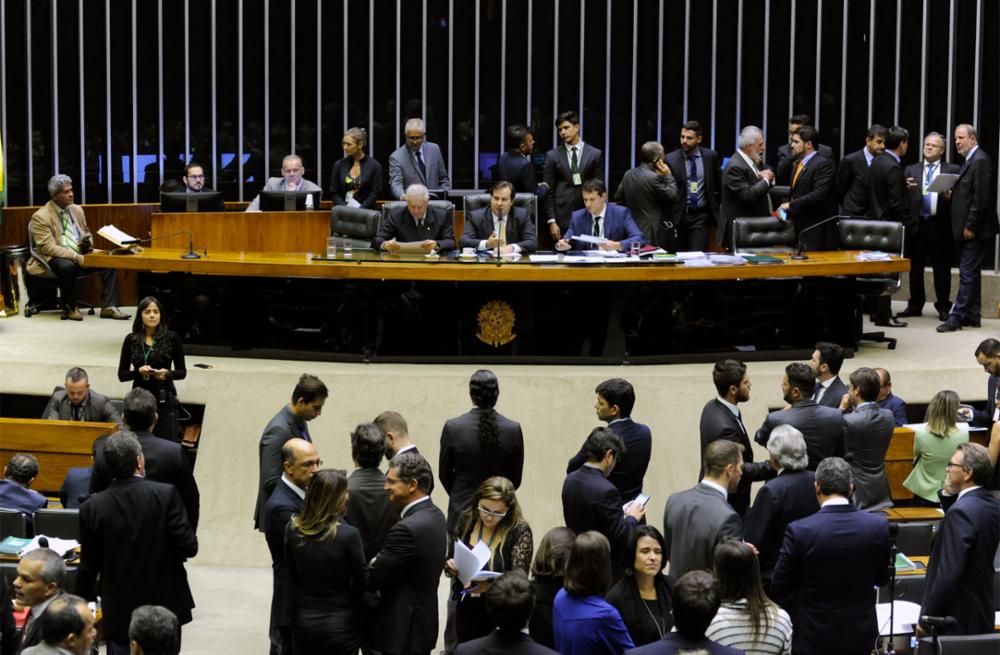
(642,596)
(326,566)
(933,444)
(493,519)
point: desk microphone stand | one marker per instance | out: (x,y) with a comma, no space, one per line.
(893,551)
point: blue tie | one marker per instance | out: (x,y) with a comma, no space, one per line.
(420,163)
(926,212)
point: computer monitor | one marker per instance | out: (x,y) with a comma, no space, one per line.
(180,201)
(288,201)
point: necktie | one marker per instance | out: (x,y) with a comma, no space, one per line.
(926,212)
(692,178)
(817,392)
(502,231)
(739,419)
(597,226)
(305,433)
(798,170)
(420,163)
(67,239)
(574,163)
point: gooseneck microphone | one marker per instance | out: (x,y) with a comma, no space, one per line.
(190,254)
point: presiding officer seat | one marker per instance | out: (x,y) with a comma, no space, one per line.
(42,289)
(760,234)
(476,201)
(356,224)
(886,236)
(987,644)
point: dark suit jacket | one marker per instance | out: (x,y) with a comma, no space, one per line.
(812,200)
(897,406)
(281,428)
(22,499)
(369,181)
(464,463)
(618,226)
(744,194)
(786,163)
(717,422)
(630,469)
(278,511)
(867,433)
(694,522)
(983,418)
(405,574)
(825,578)
(834,394)
(31,635)
(520,229)
(519,171)
(399,224)
(713,176)
(503,643)
(166,462)
(970,199)
(136,535)
(564,197)
(369,509)
(650,197)
(673,643)
(591,502)
(75,486)
(852,185)
(960,573)
(98,408)
(914,195)
(789,497)
(887,190)
(822,427)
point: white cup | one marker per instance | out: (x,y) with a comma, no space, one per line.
(468,252)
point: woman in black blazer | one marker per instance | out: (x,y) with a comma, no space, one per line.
(357,179)
(642,596)
(547,573)
(326,566)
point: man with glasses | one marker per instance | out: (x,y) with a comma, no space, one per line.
(194,178)
(292,170)
(299,462)
(418,161)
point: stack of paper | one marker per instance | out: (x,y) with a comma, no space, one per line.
(470,563)
(873,256)
(61,546)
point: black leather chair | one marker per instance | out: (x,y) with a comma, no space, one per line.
(887,236)
(474,201)
(13,524)
(61,523)
(915,539)
(908,587)
(762,233)
(42,289)
(988,644)
(356,224)
(446,205)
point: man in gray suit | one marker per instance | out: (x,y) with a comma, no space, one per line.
(67,627)
(867,433)
(696,520)
(649,191)
(291,179)
(745,185)
(417,161)
(822,427)
(78,402)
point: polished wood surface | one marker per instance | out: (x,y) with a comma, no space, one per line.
(899,462)
(242,231)
(910,514)
(58,445)
(367,265)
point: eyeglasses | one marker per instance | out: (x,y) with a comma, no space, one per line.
(952,465)
(197,177)
(491,513)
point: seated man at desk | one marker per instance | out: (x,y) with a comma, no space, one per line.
(194,178)
(599,219)
(15,491)
(78,402)
(500,225)
(291,179)
(418,222)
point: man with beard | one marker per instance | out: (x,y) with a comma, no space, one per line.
(745,184)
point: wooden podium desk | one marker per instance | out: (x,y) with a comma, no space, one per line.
(243,231)
(58,445)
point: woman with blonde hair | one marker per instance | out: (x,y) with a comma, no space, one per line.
(356,180)
(326,567)
(933,444)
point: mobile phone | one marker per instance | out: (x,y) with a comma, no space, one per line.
(203,366)
(642,498)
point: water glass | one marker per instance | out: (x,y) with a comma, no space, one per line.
(348,248)
(331,248)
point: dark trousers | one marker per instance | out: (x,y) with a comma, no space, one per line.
(67,271)
(930,241)
(692,233)
(968,300)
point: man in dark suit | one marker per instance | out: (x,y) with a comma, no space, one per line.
(165,461)
(509,602)
(852,176)
(697,173)
(696,520)
(960,576)
(397,435)
(615,400)
(822,427)
(41,574)
(15,491)
(515,165)
(929,235)
(369,509)
(786,158)
(886,399)
(591,502)
(867,433)
(75,487)
(418,222)
(721,419)
(67,628)
(828,568)
(812,197)
(746,183)
(601,219)
(649,191)
(973,224)
(567,167)
(417,161)
(827,359)
(887,194)
(307,402)
(478,445)
(501,225)
(788,497)
(136,536)
(78,402)
(405,572)
(987,356)
(299,461)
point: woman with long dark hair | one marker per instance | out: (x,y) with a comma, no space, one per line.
(152,358)
(326,566)
(642,595)
(747,620)
(493,519)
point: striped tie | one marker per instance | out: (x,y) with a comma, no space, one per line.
(67,239)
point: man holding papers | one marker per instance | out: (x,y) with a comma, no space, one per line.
(501,226)
(417,224)
(600,225)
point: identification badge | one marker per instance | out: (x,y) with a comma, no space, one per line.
(926,189)
(692,187)
(577,180)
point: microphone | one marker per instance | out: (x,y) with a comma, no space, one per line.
(940,622)
(801,246)
(43,542)
(190,254)
(499,227)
